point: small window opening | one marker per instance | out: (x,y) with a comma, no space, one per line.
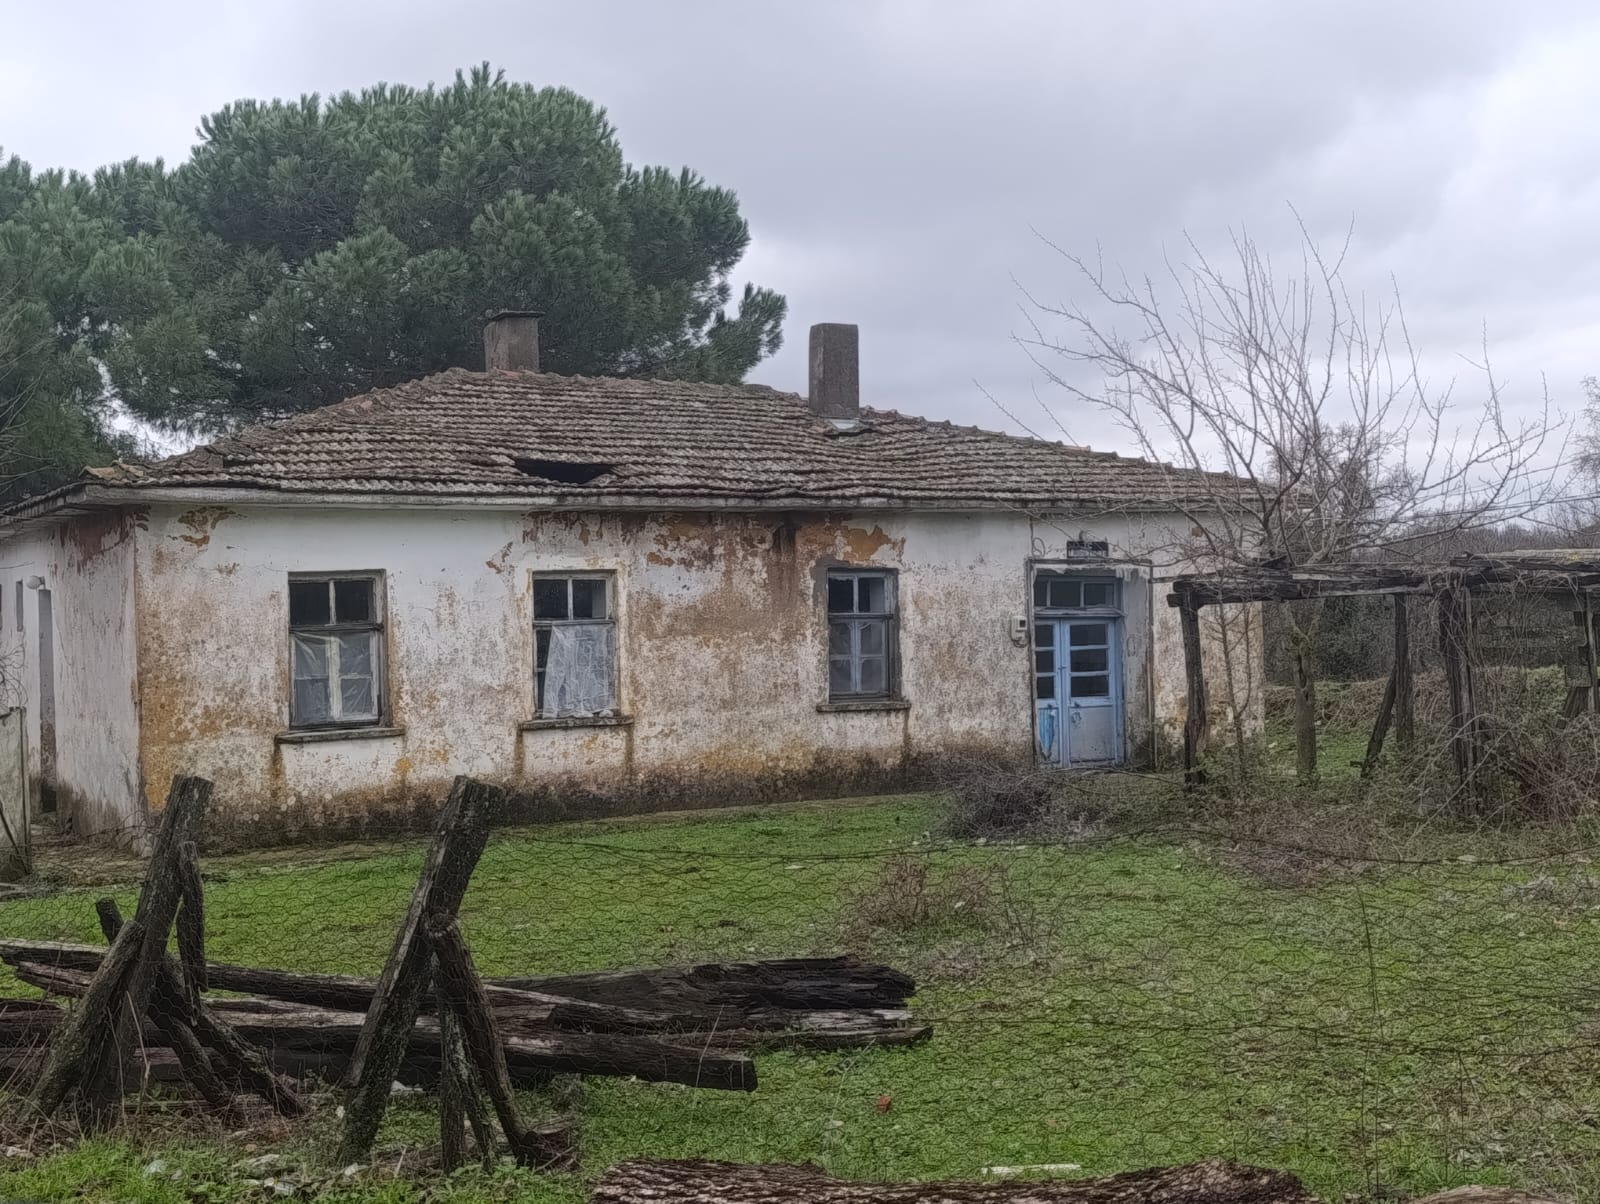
(336,652)
(575,646)
(564,472)
(863,636)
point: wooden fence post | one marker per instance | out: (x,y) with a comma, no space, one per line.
(1405,691)
(458,841)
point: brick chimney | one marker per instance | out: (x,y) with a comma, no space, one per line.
(511,341)
(835,390)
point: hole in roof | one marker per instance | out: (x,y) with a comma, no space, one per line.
(566,472)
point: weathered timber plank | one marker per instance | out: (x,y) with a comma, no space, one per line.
(458,842)
(700,1182)
(77,1046)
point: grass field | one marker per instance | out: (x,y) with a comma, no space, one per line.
(1114,1004)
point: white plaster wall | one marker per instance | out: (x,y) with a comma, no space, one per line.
(721,648)
(87,563)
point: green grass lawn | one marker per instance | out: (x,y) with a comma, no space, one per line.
(1114,1004)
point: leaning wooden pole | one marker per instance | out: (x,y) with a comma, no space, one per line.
(1380,727)
(547,1147)
(92,1054)
(1195,720)
(458,842)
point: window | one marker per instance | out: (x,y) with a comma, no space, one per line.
(336,650)
(575,646)
(1056,591)
(863,643)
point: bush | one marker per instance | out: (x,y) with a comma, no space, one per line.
(986,800)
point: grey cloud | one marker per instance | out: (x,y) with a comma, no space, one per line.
(893,157)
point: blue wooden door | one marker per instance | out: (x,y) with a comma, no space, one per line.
(1078,690)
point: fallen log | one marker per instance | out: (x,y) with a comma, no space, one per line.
(700,1182)
(770,995)
(760,1032)
(297,1041)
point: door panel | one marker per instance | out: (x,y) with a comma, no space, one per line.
(1077,691)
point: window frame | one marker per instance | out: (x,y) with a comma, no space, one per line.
(607,577)
(888,618)
(376,626)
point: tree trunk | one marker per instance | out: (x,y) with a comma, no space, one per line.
(696,1182)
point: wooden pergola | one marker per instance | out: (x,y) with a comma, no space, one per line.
(1575,573)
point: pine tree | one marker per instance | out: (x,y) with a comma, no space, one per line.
(309,251)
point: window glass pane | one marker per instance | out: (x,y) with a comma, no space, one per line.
(872,595)
(1045,687)
(873,637)
(1044,636)
(310,702)
(1044,661)
(580,670)
(588,598)
(839,675)
(1088,634)
(355,655)
(839,639)
(1089,660)
(357,699)
(874,675)
(352,600)
(550,598)
(841,595)
(1064,592)
(308,603)
(1097,593)
(1091,687)
(310,656)
(1041,592)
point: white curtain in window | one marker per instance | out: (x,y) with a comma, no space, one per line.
(580,672)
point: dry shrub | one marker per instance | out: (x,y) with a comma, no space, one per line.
(910,894)
(991,801)
(946,921)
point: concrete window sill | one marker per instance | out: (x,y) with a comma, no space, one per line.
(865,704)
(539,725)
(328,734)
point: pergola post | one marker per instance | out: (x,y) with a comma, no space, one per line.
(1591,687)
(1405,690)
(1455,650)
(1195,721)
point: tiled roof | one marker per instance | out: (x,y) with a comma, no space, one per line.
(515,434)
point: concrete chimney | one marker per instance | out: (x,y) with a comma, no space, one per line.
(511,341)
(835,391)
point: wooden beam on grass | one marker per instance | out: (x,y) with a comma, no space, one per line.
(703,1182)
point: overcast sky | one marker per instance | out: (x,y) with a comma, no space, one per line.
(894,158)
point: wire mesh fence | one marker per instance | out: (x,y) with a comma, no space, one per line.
(1137,978)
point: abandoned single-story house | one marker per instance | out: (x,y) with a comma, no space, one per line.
(619,593)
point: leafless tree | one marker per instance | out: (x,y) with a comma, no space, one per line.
(1308,404)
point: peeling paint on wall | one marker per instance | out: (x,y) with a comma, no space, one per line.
(722,656)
